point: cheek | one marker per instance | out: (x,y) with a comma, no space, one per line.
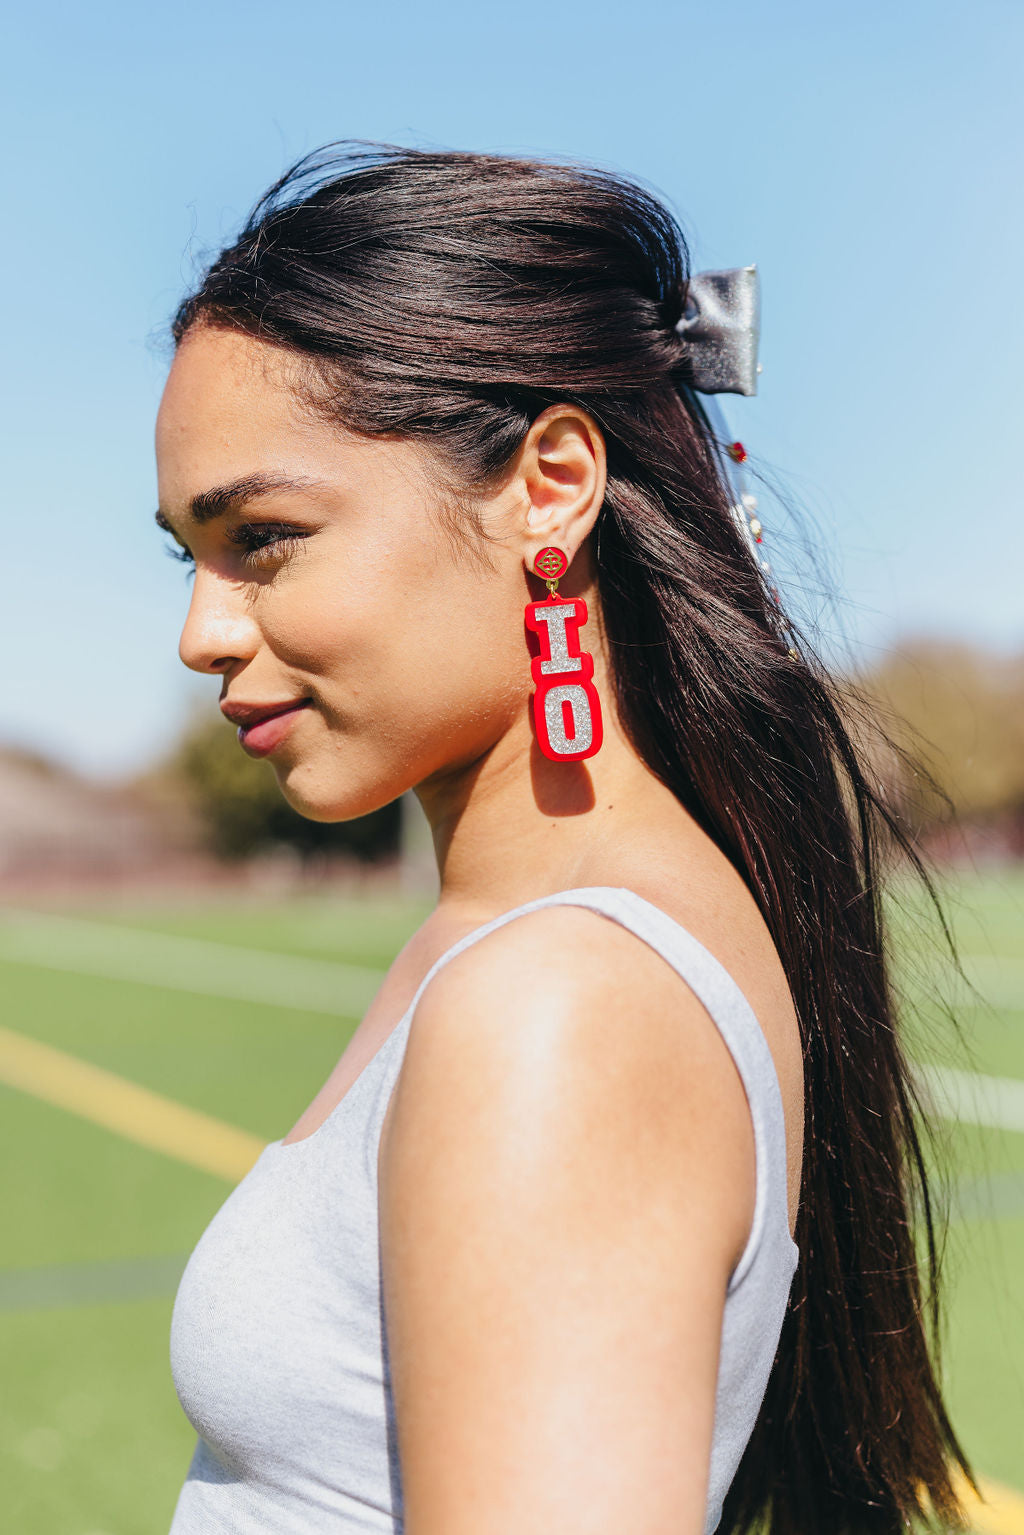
(389,658)
(451,661)
(319,626)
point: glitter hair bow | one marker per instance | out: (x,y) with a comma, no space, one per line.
(721,328)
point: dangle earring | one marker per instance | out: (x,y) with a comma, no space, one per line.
(566,707)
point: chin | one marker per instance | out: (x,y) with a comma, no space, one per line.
(316,798)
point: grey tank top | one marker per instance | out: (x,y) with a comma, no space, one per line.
(278,1343)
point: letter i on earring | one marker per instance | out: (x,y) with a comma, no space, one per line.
(566,708)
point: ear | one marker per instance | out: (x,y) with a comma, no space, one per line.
(562,472)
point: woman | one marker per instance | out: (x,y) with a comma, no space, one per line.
(431,443)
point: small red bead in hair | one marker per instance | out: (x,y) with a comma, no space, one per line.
(737,452)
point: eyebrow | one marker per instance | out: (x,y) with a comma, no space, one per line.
(207,505)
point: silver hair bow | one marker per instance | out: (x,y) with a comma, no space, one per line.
(721,328)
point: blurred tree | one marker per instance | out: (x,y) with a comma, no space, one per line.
(960,711)
(242,809)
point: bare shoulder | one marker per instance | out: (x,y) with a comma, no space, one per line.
(566,1183)
(565,1026)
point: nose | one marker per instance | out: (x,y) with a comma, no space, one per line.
(219,628)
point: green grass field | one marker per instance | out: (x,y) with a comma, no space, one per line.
(97,1227)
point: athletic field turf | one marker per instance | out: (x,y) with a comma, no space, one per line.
(148,1051)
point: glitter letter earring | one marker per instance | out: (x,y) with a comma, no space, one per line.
(566,708)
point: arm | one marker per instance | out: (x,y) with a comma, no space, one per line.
(567,1181)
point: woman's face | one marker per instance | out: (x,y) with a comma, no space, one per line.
(408,651)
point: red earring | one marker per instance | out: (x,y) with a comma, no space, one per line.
(566,708)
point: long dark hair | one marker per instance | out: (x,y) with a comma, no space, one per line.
(450,297)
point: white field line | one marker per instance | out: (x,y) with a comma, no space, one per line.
(99,1282)
(198,965)
(999,981)
(997,1103)
(52,942)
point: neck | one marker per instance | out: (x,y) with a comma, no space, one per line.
(513,824)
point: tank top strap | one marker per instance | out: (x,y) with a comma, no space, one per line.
(725,1003)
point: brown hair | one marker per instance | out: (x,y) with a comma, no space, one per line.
(451,297)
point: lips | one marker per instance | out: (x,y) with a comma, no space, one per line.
(262,727)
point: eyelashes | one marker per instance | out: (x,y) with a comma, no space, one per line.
(260,545)
(176,552)
(263,542)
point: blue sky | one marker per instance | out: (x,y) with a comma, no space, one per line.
(868,158)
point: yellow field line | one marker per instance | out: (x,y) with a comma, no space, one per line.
(1000,1513)
(135,1112)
